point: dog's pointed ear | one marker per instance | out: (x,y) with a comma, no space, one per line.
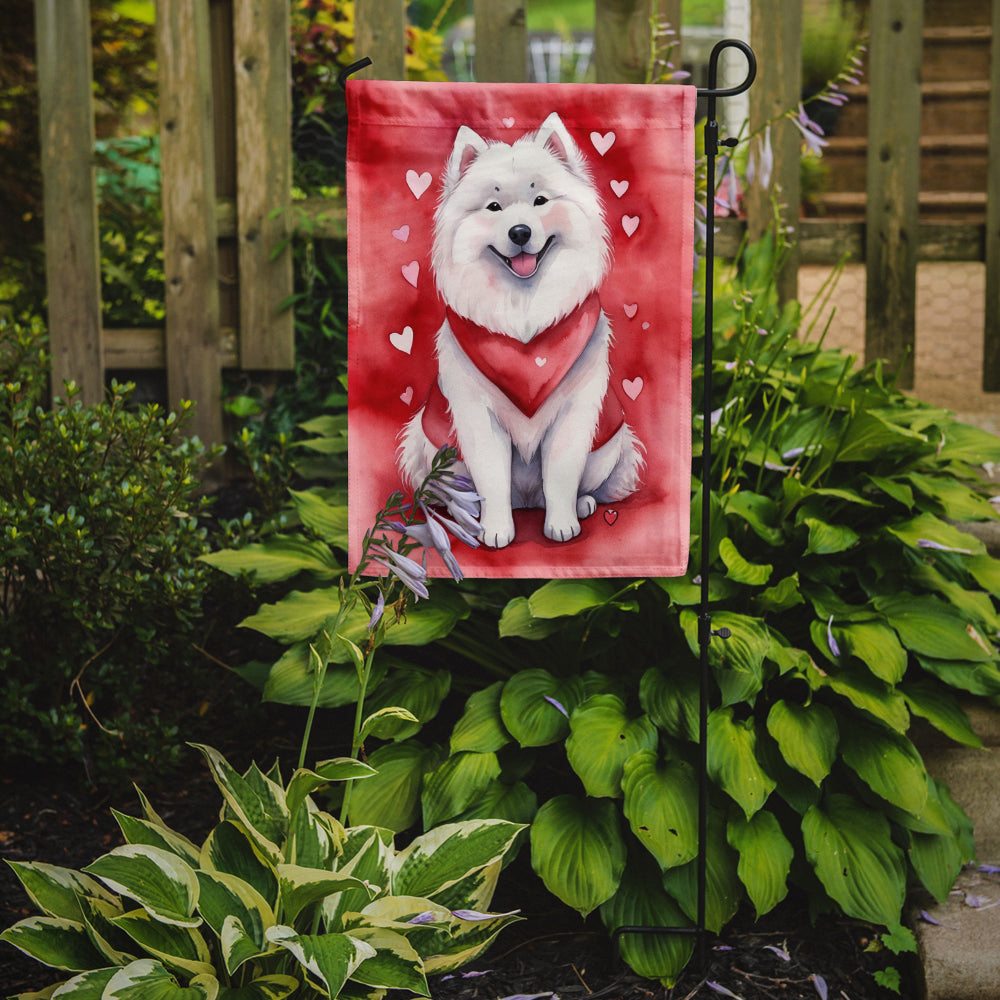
(468,146)
(554,137)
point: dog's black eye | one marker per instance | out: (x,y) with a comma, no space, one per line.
(493,206)
(541,200)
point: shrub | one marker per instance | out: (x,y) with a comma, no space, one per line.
(99,539)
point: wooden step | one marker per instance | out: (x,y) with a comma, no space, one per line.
(957,206)
(956,53)
(945,12)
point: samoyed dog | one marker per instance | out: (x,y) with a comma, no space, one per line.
(521,248)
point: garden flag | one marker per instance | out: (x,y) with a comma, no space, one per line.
(520,280)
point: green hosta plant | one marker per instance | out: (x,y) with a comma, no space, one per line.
(279,900)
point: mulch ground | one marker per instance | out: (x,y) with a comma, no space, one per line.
(551,952)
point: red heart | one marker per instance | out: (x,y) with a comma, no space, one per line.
(611,516)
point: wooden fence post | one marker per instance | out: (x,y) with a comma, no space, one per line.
(501,41)
(380,34)
(991,332)
(262,61)
(190,251)
(892,214)
(72,255)
(776,35)
(621,40)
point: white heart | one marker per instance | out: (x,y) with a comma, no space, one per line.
(402,341)
(407,397)
(602,143)
(630,223)
(418,183)
(402,234)
(410,272)
(541,362)
(632,386)
(645,326)
(619,187)
(631,309)
(508,122)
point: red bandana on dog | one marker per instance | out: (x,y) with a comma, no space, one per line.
(483,222)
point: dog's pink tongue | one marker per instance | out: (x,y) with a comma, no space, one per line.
(523,264)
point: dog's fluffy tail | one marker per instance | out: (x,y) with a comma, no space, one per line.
(415,452)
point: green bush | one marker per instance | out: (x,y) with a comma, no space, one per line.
(99,542)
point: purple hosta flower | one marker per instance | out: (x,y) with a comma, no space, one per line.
(729,201)
(760,165)
(431,535)
(927,543)
(820,984)
(410,573)
(531,996)
(552,701)
(780,952)
(834,648)
(377,612)
(475,915)
(719,988)
(927,918)
(427,917)
(989,869)
(812,134)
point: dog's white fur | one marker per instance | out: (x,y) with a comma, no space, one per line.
(542,182)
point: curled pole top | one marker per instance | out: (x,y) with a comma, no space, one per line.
(712,90)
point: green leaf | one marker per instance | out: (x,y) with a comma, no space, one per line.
(738,661)
(164,885)
(141,831)
(661,798)
(976,678)
(516,803)
(386,722)
(301,887)
(391,798)
(181,948)
(876,646)
(751,574)
(783,595)
(601,739)
(279,558)
(481,727)
(517,620)
(230,849)
(640,901)
(438,859)
(765,858)
(56,891)
(417,690)
(866,692)
(54,941)
(456,784)
(330,959)
(931,628)
(850,848)
(870,435)
(927,527)
(965,443)
(578,851)
(292,680)
(760,512)
(671,700)
(395,964)
(828,539)
(275,987)
(559,598)
(807,736)
(86,986)
(327,520)
(888,763)
(956,500)
(941,709)
(225,897)
(527,711)
(304,782)
(147,979)
(732,760)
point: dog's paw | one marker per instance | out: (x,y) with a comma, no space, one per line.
(585,506)
(497,536)
(561,531)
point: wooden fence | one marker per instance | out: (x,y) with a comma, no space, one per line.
(226,161)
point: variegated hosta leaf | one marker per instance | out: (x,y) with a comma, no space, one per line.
(315,838)
(367,853)
(300,887)
(329,959)
(391,799)
(54,941)
(177,947)
(661,805)
(466,941)
(850,847)
(578,851)
(642,902)
(304,782)
(230,849)
(481,727)
(158,880)
(888,763)
(732,760)
(274,987)
(456,784)
(476,890)
(147,979)
(86,986)
(535,706)
(765,858)
(441,857)
(141,831)
(56,891)
(807,736)
(256,801)
(225,897)
(602,737)
(98,915)
(395,964)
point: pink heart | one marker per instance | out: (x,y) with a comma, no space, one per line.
(508,122)
(632,386)
(402,234)
(619,187)
(402,341)
(418,183)
(410,272)
(407,397)
(541,362)
(630,309)
(630,223)
(602,143)
(610,516)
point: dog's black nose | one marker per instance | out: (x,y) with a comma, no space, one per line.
(519,235)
